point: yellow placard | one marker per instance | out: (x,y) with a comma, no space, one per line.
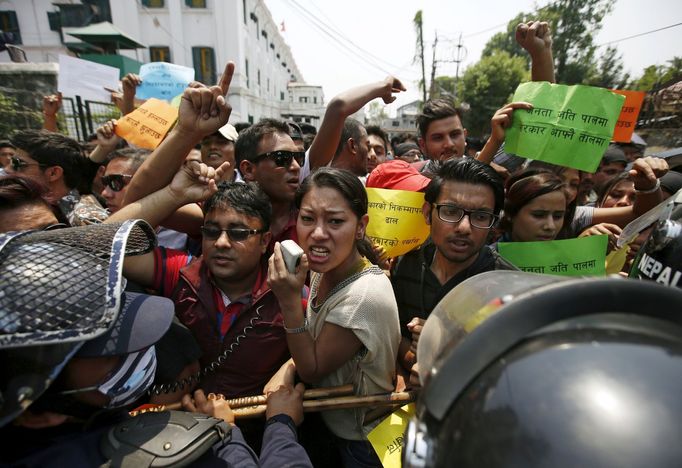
(147,125)
(396,221)
(615,261)
(388,437)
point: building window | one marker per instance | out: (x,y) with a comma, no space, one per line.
(204,65)
(10,26)
(154,3)
(247,72)
(303,99)
(244,8)
(268,85)
(196,3)
(250,119)
(315,100)
(258,77)
(159,54)
(281,95)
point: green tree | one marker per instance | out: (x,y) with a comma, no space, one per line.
(574,25)
(488,85)
(656,75)
(609,72)
(443,86)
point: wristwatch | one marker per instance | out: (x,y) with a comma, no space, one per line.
(299,329)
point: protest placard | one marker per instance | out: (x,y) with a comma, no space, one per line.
(163,80)
(86,79)
(388,437)
(568,125)
(570,257)
(396,221)
(147,125)
(628,115)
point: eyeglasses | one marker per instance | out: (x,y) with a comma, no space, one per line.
(115,182)
(234,234)
(454,214)
(283,158)
(18,164)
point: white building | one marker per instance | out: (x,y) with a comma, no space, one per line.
(405,119)
(203,34)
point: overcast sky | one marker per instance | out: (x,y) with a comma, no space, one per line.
(381,32)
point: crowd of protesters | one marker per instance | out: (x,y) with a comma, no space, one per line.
(222,198)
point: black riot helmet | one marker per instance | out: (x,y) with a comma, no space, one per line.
(553,372)
(660,258)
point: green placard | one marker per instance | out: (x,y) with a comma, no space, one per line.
(570,257)
(568,125)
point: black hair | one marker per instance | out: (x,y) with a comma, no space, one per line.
(246,198)
(241,126)
(436,109)
(469,171)
(526,186)
(376,130)
(54,149)
(350,188)
(17,190)
(351,129)
(246,147)
(6,144)
(135,157)
(307,129)
(604,191)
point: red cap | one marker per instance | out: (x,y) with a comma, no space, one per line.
(397,175)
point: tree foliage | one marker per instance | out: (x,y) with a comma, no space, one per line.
(655,76)
(574,25)
(609,71)
(488,85)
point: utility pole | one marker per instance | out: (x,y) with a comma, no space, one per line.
(432,88)
(460,56)
(419,55)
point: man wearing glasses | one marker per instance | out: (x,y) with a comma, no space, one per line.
(266,154)
(224,293)
(463,202)
(119,172)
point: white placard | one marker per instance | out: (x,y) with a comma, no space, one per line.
(86,79)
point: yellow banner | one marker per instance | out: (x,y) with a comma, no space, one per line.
(387,438)
(147,125)
(396,221)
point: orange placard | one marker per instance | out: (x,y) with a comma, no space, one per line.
(147,125)
(628,115)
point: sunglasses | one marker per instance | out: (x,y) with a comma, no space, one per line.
(283,158)
(116,182)
(18,164)
(234,234)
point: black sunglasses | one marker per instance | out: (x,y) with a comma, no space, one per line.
(234,234)
(283,158)
(18,164)
(116,182)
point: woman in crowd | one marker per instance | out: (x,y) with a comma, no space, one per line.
(534,207)
(350,331)
(619,191)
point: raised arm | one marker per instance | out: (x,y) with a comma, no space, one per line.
(536,38)
(194,182)
(498,125)
(202,111)
(342,106)
(51,106)
(645,173)
(107,141)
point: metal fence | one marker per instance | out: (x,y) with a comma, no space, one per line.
(22,109)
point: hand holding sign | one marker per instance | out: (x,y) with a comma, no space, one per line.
(204,110)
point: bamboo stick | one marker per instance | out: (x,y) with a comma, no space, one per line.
(256,400)
(309,406)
